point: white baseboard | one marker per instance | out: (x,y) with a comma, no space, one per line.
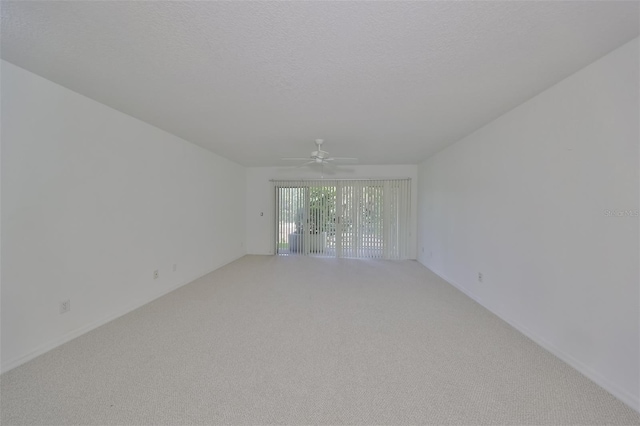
(587,371)
(52,344)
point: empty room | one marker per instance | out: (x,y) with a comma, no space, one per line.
(319,212)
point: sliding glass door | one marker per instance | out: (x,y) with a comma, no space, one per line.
(343,218)
(306,219)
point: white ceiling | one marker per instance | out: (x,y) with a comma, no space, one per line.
(388,82)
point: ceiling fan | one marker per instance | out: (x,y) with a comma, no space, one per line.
(321,157)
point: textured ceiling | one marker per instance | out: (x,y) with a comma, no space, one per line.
(388,82)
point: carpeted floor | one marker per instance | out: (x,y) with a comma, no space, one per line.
(301,340)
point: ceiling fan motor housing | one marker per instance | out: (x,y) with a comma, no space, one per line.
(319,154)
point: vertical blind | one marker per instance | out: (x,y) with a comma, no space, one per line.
(343,218)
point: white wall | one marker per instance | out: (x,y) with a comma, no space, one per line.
(525,201)
(93,201)
(261,198)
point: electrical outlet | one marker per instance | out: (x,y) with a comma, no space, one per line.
(175,267)
(156,274)
(480,277)
(65,306)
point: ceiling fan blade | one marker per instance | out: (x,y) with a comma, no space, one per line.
(307,163)
(295,158)
(343,159)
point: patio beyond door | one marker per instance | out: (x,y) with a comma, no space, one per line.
(343,218)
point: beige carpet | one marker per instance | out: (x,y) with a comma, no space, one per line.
(301,340)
